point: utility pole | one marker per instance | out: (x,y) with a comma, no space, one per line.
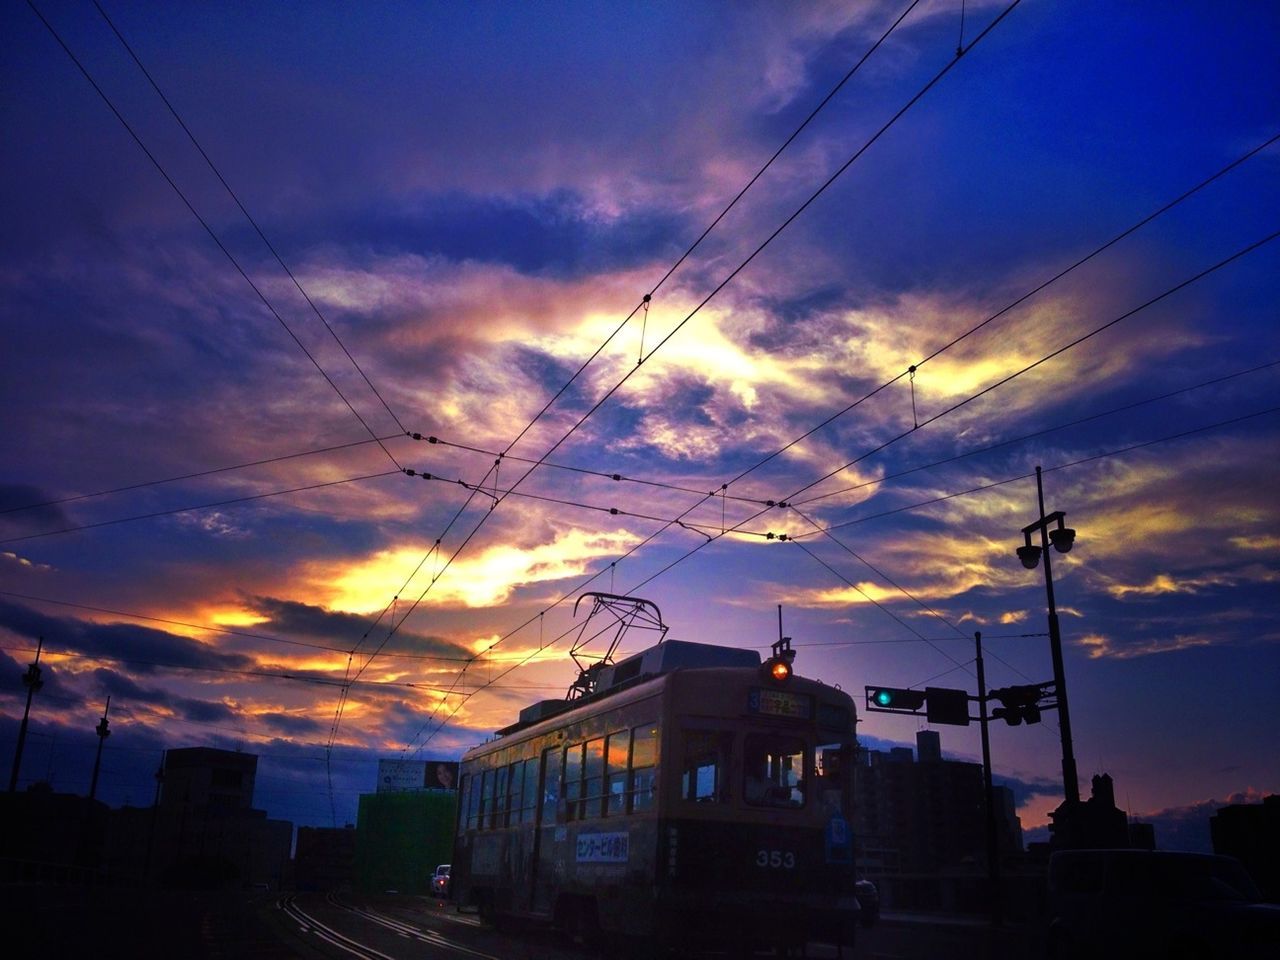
(102,732)
(155,807)
(1062,537)
(993,846)
(33,683)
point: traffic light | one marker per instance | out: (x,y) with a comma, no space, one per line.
(1018,704)
(777,669)
(894,698)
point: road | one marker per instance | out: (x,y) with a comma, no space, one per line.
(53,923)
(414,928)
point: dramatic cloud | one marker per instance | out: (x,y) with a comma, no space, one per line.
(214,510)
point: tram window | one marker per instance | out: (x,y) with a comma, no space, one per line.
(468,797)
(706,755)
(486,799)
(499,807)
(616,767)
(551,785)
(832,782)
(773,769)
(573,781)
(473,803)
(515,785)
(644,759)
(593,779)
(529,798)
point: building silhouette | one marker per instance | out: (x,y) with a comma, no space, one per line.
(203,833)
(1096,823)
(920,818)
(1250,832)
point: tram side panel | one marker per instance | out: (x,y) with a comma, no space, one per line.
(582,834)
(638,818)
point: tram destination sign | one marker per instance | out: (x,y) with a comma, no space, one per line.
(780,703)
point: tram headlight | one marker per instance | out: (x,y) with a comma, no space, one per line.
(778,669)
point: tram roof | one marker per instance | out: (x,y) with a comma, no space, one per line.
(613,678)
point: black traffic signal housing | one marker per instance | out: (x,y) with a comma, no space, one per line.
(894,698)
(1018,703)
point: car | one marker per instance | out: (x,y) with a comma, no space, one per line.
(868,902)
(1145,903)
(440,881)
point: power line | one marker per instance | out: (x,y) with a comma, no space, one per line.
(232,671)
(601,474)
(194,476)
(646,299)
(203,506)
(1062,466)
(208,229)
(785,502)
(196,143)
(212,628)
(1040,433)
(742,266)
(498,494)
(1242,252)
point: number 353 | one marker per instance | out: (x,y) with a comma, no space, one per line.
(777,859)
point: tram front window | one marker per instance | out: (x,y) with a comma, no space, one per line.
(773,769)
(706,755)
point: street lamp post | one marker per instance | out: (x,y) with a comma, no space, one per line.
(1062,537)
(103,731)
(31,680)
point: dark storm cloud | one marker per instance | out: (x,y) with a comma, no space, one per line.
(206,711)
(1025,790)
(120,687)
(14,663)
(146,649)
(26,509)
(341,629)
(550,374)
(126,692)
(290,725)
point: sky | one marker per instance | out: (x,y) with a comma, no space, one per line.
(253,258)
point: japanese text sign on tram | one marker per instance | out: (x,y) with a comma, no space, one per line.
(780,703)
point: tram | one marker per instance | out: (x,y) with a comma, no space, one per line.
(696,795)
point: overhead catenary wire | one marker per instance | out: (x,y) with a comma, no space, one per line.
(706,300)
(248,498)
(1181,434)
(194,476)
(237,671)
(384,654)
(702,527)
(1244,251)
(215,628)
(1040,433)
(786,501)
(1168,292)
(755,253)
(207,228)
(1166,207)
(254,223)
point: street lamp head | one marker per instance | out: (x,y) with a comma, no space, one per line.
(1062,538)
(1029,555)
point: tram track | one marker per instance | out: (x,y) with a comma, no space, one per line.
(310,923)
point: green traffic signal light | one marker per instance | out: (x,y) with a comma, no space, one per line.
(895,698)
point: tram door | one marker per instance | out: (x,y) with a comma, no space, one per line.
(543,876)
